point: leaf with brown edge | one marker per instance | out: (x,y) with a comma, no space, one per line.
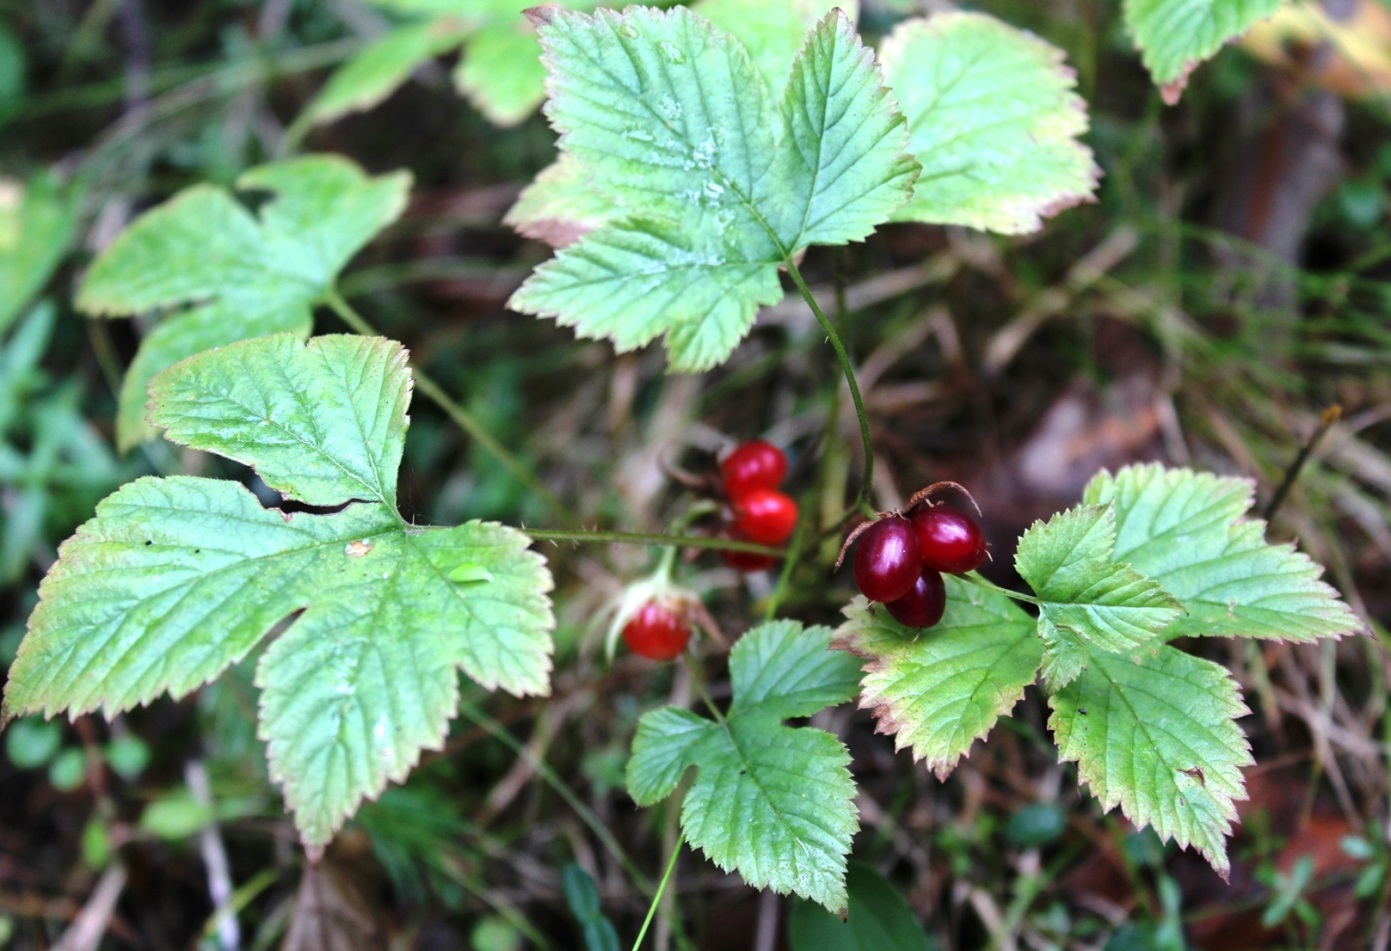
(939,690)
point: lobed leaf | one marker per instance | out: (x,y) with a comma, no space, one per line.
(994,119)
(773,802)
(1102,602)
(708,186)
(229,274)
(1174,36)
(175,579)
(1158,737)
(938,691)
(1186,531)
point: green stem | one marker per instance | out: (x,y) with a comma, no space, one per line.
(980,582)
(462,418)
(657,898)
(650,538)
(552,779)
(849,372)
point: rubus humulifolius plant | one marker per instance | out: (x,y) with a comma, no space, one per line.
(177,578)
(1151,555)
(701,152)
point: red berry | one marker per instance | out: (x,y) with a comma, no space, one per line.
(923,605)
(656,632)
(887,562)
(949,540)
(752,465)
(765,516)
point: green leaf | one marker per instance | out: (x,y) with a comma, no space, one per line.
(230,274)
(938,691)
(773,31)
(1158,737)
(501,73)
(1174,36)
(773,802)
(379,70)
(879,919)
(1106,604)
(175,579)
(192,332)
(36,224)
(1185,530)
(558,207)
(711,187)
(993,118)
(321,423)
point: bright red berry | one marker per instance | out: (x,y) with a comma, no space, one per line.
(765,516)
(923,605)
(950,541)
(887,562)
(752,465)
(656,632)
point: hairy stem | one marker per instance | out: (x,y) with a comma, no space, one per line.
(650,538)
(848,370)
(980,582)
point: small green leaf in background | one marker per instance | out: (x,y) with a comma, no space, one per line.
(228,274)
(711,181)
(68,770)
(878,919)
(12,81)
(501,72)
(31,742)
(1086,596)
(773,802)
(993,118)
(36,224)
(177,578)
(1158,737)
(940,690)
(381,68)
(1174,36)
(1036,825)
(1187,531)
(583,898)
(127,756)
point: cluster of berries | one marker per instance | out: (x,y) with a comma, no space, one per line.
(656,617)
(901,558)
(749,479)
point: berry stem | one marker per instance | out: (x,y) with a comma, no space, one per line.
(432,391)
(980,582)
(846,368)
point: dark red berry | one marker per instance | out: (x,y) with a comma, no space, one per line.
(950,541)
(887,562)
(765,516)
(923,605)
(752,465)
(656,632)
